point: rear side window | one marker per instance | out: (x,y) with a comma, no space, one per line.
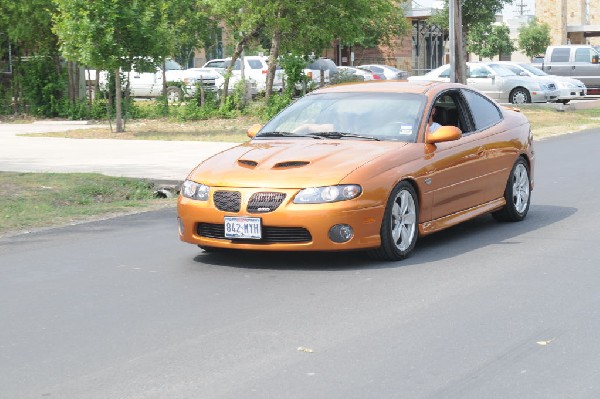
(485,112)
(560,55)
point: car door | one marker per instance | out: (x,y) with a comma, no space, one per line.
(456,175)
(485,80)
(142,84)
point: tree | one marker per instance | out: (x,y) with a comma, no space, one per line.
(534,38)
(490,41)
(27,27)
(313,25)
(113,36)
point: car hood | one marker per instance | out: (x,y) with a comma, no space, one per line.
(289,163)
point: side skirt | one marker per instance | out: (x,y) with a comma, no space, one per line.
(459,217)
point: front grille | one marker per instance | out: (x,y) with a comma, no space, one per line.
(265,202)
(271,235)
(227,201)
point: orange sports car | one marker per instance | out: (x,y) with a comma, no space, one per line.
(367,166)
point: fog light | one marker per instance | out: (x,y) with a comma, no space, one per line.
(181,228)
(341,233)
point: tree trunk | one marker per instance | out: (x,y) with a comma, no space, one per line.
(239,47)
(118,102)
(71,85)
(273,55)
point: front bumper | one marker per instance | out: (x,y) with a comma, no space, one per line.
(544,96)
(290,227)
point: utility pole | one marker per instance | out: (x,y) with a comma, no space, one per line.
(457,54)
(521,8)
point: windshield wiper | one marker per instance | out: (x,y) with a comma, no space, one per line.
(339,135)
(286,134)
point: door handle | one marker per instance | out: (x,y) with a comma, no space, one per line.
(481,152)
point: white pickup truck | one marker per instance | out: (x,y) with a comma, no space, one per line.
(150,84)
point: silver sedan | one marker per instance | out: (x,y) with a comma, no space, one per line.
(499,83)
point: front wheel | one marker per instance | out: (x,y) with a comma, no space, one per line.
(399,228)
(517,194)
(174,94)
(520,96)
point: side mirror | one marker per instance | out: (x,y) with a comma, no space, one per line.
(595,59)
(442,134)
(253,130)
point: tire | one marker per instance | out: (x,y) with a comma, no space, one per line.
(399,228)
(517,194)
(520,96)
(174,94)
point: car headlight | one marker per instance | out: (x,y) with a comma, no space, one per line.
(319,195)
(196,191)
(545,87)
(565,85)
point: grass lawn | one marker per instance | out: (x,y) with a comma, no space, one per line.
(37,200)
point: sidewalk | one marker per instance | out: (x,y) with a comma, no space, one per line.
(156,160)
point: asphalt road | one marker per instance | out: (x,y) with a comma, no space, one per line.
(122,309)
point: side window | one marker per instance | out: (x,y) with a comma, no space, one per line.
(485,113)
(255,64)
(478,72)
(445,73)
(560,55)
(449,110)
(583,55)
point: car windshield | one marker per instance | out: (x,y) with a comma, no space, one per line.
(172,65)
(533,70)
(500,70)
(381,116)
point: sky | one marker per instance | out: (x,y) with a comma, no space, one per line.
(508,12)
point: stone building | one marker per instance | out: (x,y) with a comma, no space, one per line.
(572,21)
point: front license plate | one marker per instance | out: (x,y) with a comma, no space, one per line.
(241,227)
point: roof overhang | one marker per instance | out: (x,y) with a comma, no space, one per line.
(587,30)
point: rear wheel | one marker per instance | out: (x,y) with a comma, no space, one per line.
(399,228)
(517,194)
(520,96)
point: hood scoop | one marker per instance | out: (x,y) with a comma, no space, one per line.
(247,162)
(291,164)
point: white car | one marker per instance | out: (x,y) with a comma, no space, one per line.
(499,83)
(255,71)
(388,72)
(570,88)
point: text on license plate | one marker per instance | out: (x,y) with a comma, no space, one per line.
(242,227)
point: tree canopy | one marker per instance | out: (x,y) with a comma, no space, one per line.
(488,41)
(534,38)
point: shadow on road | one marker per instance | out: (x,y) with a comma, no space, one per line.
(471,235)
